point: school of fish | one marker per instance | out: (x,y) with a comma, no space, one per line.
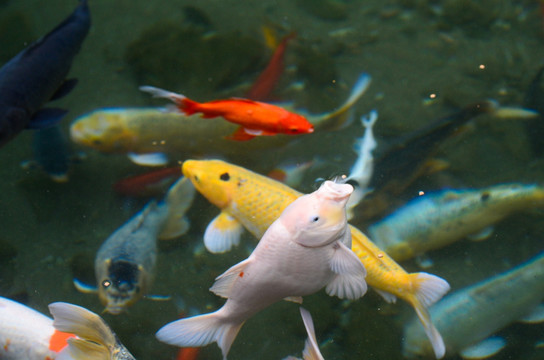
(305,243)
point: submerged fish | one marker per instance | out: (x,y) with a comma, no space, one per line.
(254,118)
(252,201)
(95,338)
(467,317)
(27,334)
(304,250)
(410,156)
(37,75)
(141,131)
(437,219)
(267,80)
(125,262)
(151,183)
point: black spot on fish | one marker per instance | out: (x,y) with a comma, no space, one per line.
(123,274)
(225,176)
(485,196)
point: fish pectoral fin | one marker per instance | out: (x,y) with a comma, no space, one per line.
(224,282)
(349,281)
(158,297)
(45,118)
(222,233)
(481,235)
(152,159)
(240,135)
(64,89)
(483,349)
(84,288)
(295,299)
(535,316)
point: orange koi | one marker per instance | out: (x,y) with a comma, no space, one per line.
(268,79)
(255,118)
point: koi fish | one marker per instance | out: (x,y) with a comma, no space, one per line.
(252,201)
(152,131)
(437,219)
(28,334)
(95,339)
(255,118)
(410,156)
(125,262)
(469,316)
(268,79)
(362,169)
(149,184)
(306,249)
(37,75)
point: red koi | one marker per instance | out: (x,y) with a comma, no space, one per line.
(270,76)
(255,118)
(148,184)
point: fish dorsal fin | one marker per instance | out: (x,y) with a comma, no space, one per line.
(349,281)
(483,349)
(224,282)
(535,316)
(222,233)
(179,199)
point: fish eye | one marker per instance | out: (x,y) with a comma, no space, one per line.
(106,283)
(225,176)
(485,196)
(315,219)
(196,178)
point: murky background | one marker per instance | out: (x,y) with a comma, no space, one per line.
(50,232)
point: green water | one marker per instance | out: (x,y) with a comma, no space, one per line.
(49,232)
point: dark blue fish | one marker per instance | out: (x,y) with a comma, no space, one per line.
(38,74)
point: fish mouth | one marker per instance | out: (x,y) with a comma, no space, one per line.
(335,191)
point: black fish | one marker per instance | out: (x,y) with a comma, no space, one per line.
(407,159)
(37,74)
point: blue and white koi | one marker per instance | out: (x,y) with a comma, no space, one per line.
(467,317)
(125,263)
(437,219)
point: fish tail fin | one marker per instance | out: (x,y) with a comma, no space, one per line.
(199,331)
(94,335)
(179,198)
(428,289)
(183,103)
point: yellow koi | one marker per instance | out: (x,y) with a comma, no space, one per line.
(254,201)
(149,135)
